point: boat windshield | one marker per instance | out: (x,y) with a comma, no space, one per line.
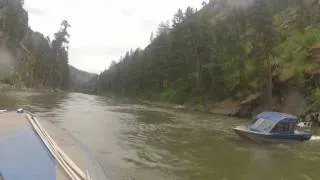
(284,127)
(262,125)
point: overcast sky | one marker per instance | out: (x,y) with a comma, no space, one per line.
(103,30)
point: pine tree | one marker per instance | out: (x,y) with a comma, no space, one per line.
(178,18)
(60,68)
(264,39)
(151,37)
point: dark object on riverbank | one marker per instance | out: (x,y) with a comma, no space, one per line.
(311,117)
(20,111)
(272,127)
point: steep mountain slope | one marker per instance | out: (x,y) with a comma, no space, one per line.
(29,58)
(233,50)
(78,78)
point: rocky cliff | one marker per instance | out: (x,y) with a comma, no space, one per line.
(8,61)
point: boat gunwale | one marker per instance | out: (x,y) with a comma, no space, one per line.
(246,132)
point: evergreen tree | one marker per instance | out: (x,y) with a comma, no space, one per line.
(60,71)
(209,55)
(263,41)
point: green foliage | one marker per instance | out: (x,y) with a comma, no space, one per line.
(292,54)
(316,98)
(179,57)
(47,62)
(7,80)
(14,79)
(26,72)
(14,21)
(215,52)
(168,95)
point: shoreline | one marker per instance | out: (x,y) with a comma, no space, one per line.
(7,87)
(230,108)
(195,108)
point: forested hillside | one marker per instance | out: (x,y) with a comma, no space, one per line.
(41,61)
(228,49)
(78,78)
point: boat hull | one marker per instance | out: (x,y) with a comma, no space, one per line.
(30,150)
(260,137)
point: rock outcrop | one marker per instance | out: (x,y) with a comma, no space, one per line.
(249,105)
(8,62)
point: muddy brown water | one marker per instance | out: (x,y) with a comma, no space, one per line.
(133,141)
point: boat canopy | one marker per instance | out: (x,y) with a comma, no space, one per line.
(276,116)
(266,121)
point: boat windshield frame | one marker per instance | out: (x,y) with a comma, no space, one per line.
(263,125)
(284,127)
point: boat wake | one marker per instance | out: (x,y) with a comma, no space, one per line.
(315,138)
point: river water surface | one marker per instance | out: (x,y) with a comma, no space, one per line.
(140,142)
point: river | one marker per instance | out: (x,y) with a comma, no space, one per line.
(139,142)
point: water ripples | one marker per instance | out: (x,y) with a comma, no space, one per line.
(136,141)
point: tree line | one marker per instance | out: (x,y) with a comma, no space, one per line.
(211,54)
(45,61)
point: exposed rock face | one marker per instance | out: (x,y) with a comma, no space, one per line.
(8,62)
(249,105)
(292,102)
(227,107)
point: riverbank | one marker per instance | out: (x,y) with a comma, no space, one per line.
(290,100)
(7,87)
(224,108)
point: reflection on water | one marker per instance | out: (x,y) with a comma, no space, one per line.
(134,141)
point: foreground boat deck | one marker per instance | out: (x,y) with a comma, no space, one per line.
(24,154)
(69,146)
(12,121)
